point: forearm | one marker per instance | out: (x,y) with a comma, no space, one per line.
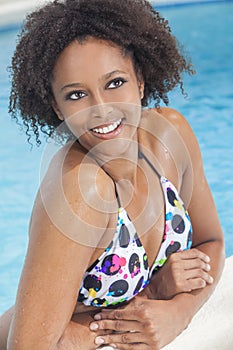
(76,336)
(65,343)
(172,281)
(192,301)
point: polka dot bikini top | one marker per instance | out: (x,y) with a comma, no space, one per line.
(122,270)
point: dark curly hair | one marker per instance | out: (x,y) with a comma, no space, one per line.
(131,24)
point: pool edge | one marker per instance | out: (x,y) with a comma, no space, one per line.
(14,12)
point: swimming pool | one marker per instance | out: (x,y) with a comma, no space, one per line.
(205,32)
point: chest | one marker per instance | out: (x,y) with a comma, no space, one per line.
(126,265)
(144,216)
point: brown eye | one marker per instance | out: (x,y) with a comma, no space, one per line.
(114,84)
(75,95)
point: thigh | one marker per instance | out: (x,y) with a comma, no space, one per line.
(5,321)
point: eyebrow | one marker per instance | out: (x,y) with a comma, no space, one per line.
(106,76)
(72,85)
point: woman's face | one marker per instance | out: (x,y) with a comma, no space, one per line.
(98,94)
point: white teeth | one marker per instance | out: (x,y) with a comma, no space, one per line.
(108,128)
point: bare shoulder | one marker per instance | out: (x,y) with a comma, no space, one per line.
(74,194)
(81,173)
(168,117)
(179,122)
(171,127)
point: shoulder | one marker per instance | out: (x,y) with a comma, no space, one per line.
(166,118)
(78,174)
(172,129)
(74,196)
(83,174)
(180,123)
(172,141)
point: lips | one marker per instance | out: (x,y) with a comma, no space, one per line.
(108,130)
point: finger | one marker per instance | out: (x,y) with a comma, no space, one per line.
(134,346)
(128,338)
(193,284)
(198,273)
(116,325)
(118,314)
(197,263)
(191,254)
(196,283)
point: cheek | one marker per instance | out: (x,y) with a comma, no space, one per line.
(76,123)
(71,111)
(128,93)
(136,96)
(133,94)
(132,112)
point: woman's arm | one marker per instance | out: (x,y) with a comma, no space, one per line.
(200,267)
(54,266)
(207,232)
(190,269)
(186,271)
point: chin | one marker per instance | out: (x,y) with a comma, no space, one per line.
(111,149)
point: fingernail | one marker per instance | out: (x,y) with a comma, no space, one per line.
(208,267)
(94,326)
(204,284)
(207,258)
(99,341)
(113,346)
(97,317)
(211,279)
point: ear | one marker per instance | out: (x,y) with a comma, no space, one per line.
(57,110)
(141,86)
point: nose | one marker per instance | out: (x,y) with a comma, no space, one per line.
(101,108)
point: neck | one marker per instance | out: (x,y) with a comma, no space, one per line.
(124,168)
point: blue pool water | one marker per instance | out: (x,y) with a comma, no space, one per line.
(206,32)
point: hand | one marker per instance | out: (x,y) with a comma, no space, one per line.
(183,272)
(78,335)
(142,324)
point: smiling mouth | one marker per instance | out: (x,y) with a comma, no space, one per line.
(107,129)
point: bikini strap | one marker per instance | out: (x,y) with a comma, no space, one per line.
(142,156)
(115,187)
(117,195)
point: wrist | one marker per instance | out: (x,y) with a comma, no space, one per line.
(184,305)
(153,289)
(150,292)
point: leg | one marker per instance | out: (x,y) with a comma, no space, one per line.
(5,321)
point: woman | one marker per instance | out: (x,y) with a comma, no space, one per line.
(112,246)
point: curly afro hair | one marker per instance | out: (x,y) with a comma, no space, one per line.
(133,25)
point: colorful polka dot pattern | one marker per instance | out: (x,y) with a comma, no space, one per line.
(122,270)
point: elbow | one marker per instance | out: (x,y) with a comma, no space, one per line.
(30,343)
(24,335)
